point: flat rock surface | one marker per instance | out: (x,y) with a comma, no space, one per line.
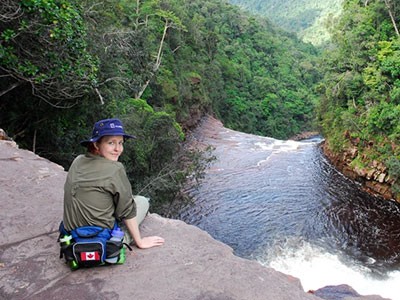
(191,264)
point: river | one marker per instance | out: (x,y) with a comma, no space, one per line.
(282,204)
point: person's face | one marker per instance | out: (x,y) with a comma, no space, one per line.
(110,147)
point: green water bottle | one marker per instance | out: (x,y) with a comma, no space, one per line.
(122,256)
(73,265)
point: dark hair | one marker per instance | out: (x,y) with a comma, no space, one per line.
(91,148)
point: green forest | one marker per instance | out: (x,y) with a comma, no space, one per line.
(309,19)
(160,65)
(360,91)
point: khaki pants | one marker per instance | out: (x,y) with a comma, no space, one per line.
(142,208)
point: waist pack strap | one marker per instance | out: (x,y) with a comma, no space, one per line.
(127,246)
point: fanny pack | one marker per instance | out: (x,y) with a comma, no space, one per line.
(91,246)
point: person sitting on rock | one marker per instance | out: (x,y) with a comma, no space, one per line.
(97,190)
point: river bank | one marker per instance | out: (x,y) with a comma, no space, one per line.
(374,178)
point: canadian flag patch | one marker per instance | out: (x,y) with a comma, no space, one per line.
(90,256)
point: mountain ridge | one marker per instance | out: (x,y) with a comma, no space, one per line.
(308,19)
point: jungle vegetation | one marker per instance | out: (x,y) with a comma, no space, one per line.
(360,91)
(159,65)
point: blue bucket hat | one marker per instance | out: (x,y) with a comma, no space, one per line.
(106,127)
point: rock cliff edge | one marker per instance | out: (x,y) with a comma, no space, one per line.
(191,264)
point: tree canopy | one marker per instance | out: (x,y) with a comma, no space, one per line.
(309,19)
(159,65)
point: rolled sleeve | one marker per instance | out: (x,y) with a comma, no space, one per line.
(125,207)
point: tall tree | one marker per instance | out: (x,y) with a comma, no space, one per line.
(390,7)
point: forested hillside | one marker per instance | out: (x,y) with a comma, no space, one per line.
(308,18)
(157,65)
(160,65)
(360,105)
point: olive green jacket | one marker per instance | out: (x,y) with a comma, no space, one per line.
(97,192)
